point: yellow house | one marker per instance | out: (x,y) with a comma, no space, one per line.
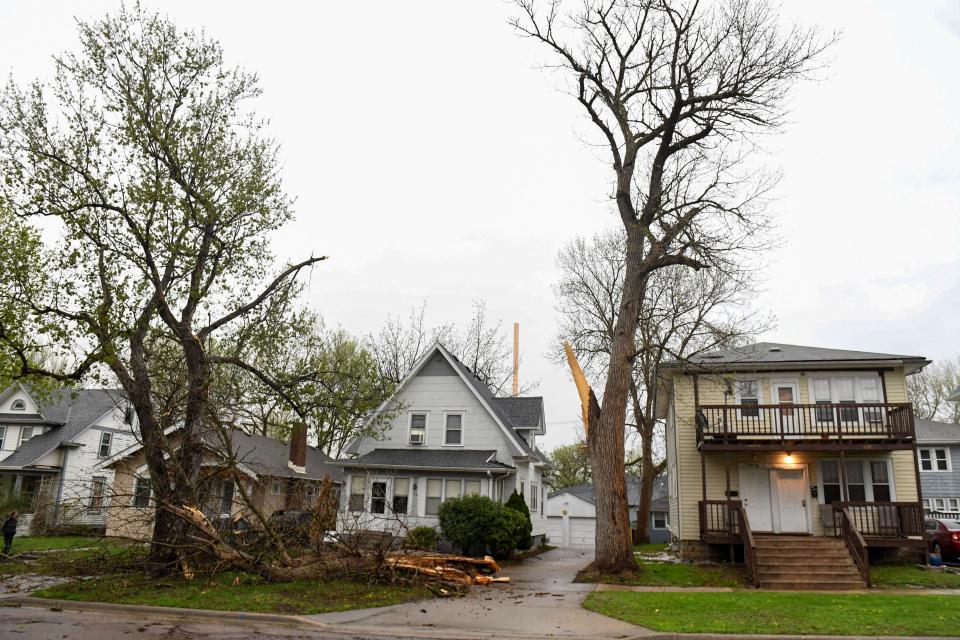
(799,461)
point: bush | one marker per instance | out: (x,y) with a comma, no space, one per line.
(423,537)
(518,504)
(477,521)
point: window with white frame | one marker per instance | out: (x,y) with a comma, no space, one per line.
(452,489)
(534,498)
(934,459)
(823,400)
(867,481)
(748,397)
(3,436)
(18,405)
(106,439)
(97,488)
(471,487)
(434,496)
(141,492)
(880,476)
(276,486)
(418,428)
(401,496)
(358,492)
(659,519)
(827,390)
(378,496)
(25,434)
(942,505)
(453,429)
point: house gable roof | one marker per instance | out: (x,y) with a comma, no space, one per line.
(773,355)
(72,411)
(934,432)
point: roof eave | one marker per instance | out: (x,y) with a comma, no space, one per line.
(361,465)
(792,365)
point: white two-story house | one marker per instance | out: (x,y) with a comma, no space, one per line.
(50,447)
(450,436)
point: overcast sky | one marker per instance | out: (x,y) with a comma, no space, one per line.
(432,160)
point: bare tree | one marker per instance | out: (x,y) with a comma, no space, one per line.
(930,387)
(683,313)
(679,92)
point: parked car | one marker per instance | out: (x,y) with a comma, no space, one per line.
(943,535)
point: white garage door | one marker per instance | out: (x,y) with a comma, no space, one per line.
(575,533)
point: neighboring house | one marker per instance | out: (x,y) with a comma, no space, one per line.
(572,514)
(788,439)
(50,448)
(449,436)
(276,475)
(938,449)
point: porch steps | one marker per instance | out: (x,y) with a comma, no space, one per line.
(805,563)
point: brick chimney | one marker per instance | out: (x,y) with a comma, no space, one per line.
(298,448)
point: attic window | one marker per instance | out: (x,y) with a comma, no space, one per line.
(18,405)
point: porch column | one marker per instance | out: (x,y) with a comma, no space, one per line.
(17,485)
(843,477)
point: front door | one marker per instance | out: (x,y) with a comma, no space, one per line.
(786,394)
(755,493)
(792,500)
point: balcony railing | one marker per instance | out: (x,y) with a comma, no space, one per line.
(883,519)
(821,421)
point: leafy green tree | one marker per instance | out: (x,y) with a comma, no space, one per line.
(164,191)
(571,466)
(478,521)
(518,504)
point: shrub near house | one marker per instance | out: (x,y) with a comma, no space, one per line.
(476,523)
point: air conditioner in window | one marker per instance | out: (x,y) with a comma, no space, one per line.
(416,438)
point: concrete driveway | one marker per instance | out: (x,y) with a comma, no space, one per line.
(541,601)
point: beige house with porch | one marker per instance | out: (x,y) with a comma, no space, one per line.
(799,461)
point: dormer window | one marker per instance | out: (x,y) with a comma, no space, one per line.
(418,428)
(25,434)
(18,405)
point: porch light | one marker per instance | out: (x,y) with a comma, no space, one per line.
(788,458)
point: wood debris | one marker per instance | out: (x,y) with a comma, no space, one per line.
(450,568)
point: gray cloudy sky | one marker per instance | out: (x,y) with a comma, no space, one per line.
(432,160)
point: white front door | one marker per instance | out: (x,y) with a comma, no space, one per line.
(755,494)
(786,394)
(791,500)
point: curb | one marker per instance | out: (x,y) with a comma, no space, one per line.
(407,632)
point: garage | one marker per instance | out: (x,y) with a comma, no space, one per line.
(571,518)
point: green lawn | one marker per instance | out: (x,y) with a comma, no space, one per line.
(904,576)
(669,574)
(22,544)
(761,612)
(237,592)
(650,547)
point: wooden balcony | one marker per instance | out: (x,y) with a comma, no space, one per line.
(820,426)
(883,524)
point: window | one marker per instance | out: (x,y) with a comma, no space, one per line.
(141,492)
(358,489)
(870,394)
(276,487)
(856,487)
(226,497)
(748,396)
(401,495)
(659,520)
(844,389)
(454,489)
(418,428)
(934,460)
(128,415)
(453,429)
(18,405)
(830,471)
(378,496)
(471,487)
(3,435)
(881,481)
(106,439)
(97,488)
(434,496)
(823,399)
(25,434)
(534,498)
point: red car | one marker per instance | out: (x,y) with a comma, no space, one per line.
(944,537)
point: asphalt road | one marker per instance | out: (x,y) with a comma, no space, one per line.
(28,623)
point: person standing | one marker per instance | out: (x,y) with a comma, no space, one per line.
(9,529)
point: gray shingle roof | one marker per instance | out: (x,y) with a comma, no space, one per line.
(588,493)
(269,457)
(773,353)
(524,412)
(938,432)
(466,459)
(74,410)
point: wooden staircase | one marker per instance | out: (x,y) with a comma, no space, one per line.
(805,563)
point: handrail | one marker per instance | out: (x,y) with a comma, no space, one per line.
(831,421)
(749,545)
(855,542)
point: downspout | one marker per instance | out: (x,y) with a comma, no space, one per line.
(63,475)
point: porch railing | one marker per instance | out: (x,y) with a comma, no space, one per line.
(822,420)
(727,520)
(882,519)
(848,531)
(749,546)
